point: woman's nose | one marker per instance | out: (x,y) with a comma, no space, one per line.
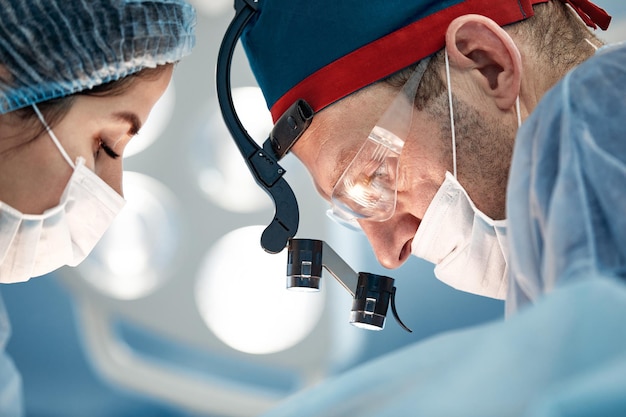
(391,239)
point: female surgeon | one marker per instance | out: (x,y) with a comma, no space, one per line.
(77,80)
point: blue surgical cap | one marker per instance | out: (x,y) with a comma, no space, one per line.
(53,48)
(324,50)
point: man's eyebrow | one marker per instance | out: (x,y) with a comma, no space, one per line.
(132,119)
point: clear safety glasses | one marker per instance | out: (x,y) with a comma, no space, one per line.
(367,189)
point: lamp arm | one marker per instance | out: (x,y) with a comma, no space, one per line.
(262,164)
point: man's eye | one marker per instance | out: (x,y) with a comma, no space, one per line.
(380,174)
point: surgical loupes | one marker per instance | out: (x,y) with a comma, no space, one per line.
(372,294)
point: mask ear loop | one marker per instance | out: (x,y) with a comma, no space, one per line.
(592,45)
(53,136)
(451,113)
(517,110)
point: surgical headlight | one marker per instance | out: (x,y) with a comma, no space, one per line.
(371,293)
(367,189)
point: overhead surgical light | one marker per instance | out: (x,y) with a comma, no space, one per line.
(245,303)
(372,293)
(217,164)
(134,257)
(211,7)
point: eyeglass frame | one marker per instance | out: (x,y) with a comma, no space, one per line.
(389,132)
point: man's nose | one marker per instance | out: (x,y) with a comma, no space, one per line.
(391,239)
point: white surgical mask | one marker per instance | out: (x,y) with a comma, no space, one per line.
(36,244)
(468,248)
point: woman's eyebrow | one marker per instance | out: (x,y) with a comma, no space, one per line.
(132,119)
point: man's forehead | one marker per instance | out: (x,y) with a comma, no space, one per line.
(337,132)
(328,168)
(326,152)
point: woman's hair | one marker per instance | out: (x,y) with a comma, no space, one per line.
(554,36)
(54,110)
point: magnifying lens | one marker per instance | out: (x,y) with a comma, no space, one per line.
(372,294)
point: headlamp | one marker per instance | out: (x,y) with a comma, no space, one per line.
(372,293)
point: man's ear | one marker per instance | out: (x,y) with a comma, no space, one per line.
(479,45)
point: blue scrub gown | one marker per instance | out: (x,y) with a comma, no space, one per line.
(11,398)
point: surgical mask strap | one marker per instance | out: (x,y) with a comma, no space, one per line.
(517,110)
(592,45)
(53,136)
(451,114)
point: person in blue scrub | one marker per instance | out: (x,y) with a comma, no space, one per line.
(77,81)
(434,183)
(508,173)
(567,192)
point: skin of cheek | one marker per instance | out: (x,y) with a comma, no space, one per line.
(47,178)
(485,140)
(422,173)
(75,140)
(83,142)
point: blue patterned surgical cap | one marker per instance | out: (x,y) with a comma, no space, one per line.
(54,48)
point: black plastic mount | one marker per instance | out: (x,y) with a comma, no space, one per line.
(262,162)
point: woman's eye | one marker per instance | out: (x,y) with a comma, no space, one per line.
(107,149)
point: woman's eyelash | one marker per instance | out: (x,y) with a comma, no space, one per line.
(107,149)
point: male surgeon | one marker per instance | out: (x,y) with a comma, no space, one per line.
(508,172)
